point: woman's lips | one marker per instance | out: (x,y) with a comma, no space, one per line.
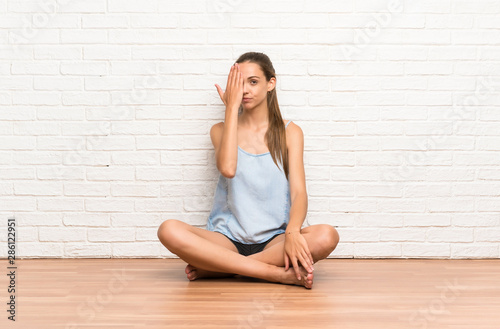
(247,99)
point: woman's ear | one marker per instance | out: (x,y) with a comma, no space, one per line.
(272,84)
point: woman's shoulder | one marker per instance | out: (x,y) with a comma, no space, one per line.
(292,127)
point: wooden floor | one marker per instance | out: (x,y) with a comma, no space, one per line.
(347,293)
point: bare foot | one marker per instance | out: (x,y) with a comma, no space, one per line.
(194,273)
(289,277)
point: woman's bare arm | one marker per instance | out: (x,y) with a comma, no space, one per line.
(225,135)
(225,140)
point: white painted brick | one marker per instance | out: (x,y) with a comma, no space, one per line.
(17,142)
(108,83)
(380,128)
(131,6)
(477,129)
(99,21)
(487,234)
(137,220)
(18,204)
(40,249)
(379,220)
(171,127)
(447,174)
(146,234)
(488,174)
(6,188)
(450,204)
(16,83)
(86,129)
(61,234)
(57,83)
(452,53)
(18,114)
(329,129)
(59,204)
(402,234)
(329,189)
(110,52)
(136,158)
(488,204)
(36,128)
(93,250)
(108,205)
(427,250)
(414,82)
(36,98)
(84,37)
(377,158)
(135,190)
(138,249)
(328,158)
(59,173)
(86,219)
(184,158)
(447,234)
(474,250)
(158,173)
(107,143)
(110,234)
(84,68)
(159,143)
(37,188)
(373,250)
(17,173)
(427,190)
(118,113)
(436,21)
(403,113)
(476,189)
(401,205)
(360,235)
(353,205)
(158,204)
(90,6)
(378,190)
(110,173)
(323,6)
(86,189)
(475,220)
(40,219)
(426,219)
(87,98)
(481,7)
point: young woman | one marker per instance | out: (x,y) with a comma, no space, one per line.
(260,203)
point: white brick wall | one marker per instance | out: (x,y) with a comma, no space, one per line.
(106,107)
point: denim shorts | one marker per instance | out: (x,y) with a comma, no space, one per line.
(249,249)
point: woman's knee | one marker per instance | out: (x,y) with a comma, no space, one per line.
(326,239)
(169,232)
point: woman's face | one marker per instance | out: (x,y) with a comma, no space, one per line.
(255,86)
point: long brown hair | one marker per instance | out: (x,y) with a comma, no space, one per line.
(275,136)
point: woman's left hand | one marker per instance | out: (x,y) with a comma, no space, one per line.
(296,249)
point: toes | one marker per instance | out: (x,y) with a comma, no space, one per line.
(189,268)
(192,275)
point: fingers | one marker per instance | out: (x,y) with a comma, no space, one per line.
(286,262)
(306,262)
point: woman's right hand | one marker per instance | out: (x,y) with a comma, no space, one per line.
(234,89)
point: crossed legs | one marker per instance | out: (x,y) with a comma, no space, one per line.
(211,254)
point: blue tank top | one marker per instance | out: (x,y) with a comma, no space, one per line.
(254,205)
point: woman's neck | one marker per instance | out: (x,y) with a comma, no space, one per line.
(255,118)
